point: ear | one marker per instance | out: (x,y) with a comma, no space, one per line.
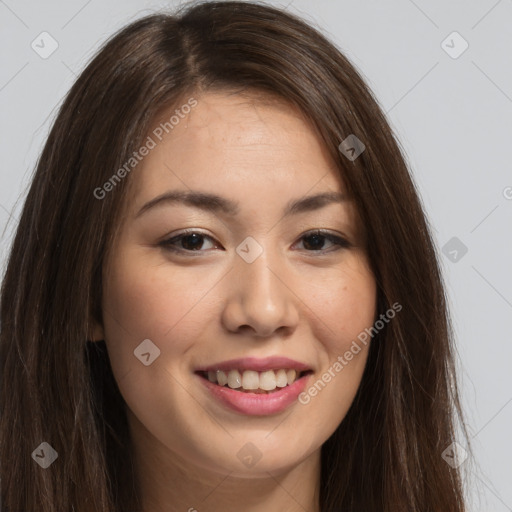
(98,333)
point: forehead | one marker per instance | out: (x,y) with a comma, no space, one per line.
(234,144)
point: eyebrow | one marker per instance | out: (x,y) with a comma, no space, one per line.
(217,204)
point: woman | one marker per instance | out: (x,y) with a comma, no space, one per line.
(223,293)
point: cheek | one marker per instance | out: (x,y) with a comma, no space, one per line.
(144,301)
(343,313)
(356,306)
(344,304)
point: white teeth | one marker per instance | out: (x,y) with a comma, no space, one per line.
(281,379)
(234,379)
(268,380)
(291,375)
(253,380)
(250,380)
(222,378)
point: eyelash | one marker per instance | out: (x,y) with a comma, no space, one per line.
(168,244)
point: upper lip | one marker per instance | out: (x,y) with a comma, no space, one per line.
(256,364)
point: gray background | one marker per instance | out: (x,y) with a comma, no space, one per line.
(452,115)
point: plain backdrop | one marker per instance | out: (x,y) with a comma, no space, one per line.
(448,97)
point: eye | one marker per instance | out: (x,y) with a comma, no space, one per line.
(190,241)
(193,241)
(315,241)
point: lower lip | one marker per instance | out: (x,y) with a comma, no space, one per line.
(257,404)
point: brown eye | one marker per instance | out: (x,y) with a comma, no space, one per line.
(192,241)
(315,240)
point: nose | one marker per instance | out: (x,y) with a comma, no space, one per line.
(260,298)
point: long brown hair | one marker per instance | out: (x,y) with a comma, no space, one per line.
(58,388)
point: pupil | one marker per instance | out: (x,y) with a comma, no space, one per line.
(196,244)
(318,238)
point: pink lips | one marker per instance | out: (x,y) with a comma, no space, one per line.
(256,364)
(256,404)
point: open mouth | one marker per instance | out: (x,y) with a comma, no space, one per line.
(250,381)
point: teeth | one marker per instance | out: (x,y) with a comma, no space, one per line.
(252,380)
(268,380)
(281,379)
(222,378)
(234,379)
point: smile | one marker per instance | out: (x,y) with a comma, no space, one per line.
(250,380)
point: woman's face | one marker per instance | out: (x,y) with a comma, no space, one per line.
(249,281)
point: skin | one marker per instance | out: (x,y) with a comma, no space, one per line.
(302,299)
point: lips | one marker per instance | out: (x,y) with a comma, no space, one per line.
(257,375)
(255,402)
(256,364)
(254,376)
